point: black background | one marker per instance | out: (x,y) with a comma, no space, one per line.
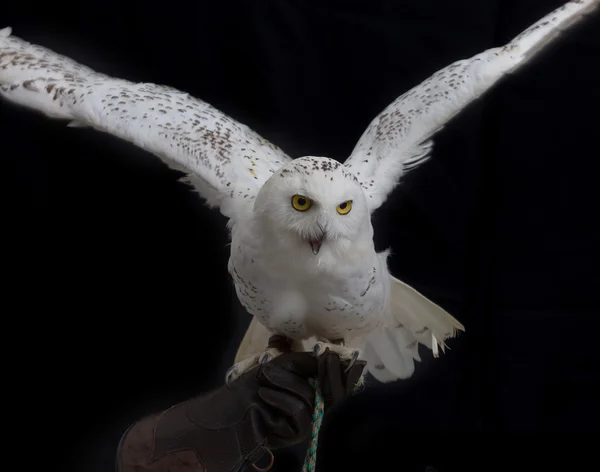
(116,297)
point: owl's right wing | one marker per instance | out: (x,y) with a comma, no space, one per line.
(224,160)
(400,138)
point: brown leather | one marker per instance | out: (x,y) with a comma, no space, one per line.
(136,452)
(236,425)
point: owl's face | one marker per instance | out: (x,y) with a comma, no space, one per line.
(316,201)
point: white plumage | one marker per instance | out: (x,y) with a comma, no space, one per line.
(302,255)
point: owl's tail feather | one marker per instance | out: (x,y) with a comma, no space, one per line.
(254,341)
(391,351)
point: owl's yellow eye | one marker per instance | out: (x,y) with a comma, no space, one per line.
(344,208)
(301,203)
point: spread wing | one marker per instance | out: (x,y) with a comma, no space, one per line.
(400,137)
(224,160)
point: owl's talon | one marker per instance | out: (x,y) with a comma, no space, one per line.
(346,353)
(352,361)
(245,365)
(264,358)
(231,374)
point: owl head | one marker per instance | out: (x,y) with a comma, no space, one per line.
(314,204)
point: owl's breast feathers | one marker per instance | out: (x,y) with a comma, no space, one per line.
(333,304)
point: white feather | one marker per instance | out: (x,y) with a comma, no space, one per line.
(254,341)
(413,319)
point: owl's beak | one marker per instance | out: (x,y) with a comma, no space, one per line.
(315,244)
(317,240)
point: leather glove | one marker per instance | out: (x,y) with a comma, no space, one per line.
(234,427)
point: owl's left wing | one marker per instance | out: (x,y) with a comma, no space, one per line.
(400,137)
(224,160)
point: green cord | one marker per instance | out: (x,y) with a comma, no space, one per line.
(310,460)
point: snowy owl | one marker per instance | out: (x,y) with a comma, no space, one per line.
(302,259)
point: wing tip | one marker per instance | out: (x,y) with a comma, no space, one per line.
(6,31)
